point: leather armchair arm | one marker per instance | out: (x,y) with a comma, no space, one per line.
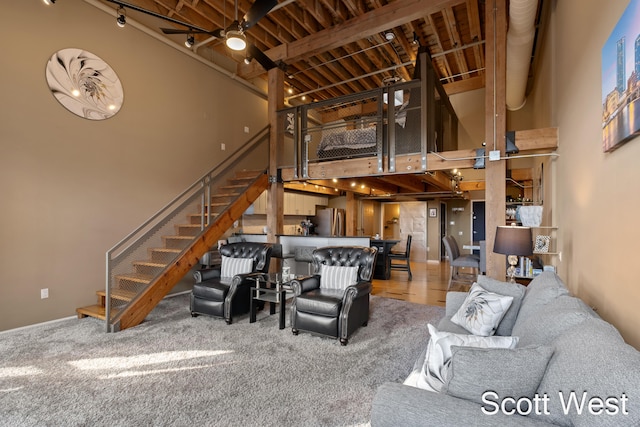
(305,284)
(238,281)
(356,291)
(206,274)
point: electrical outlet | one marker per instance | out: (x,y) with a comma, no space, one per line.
(223,146)
(44,293)
(246,129)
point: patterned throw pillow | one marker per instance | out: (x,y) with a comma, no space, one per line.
(482,311)
(234,266)
(337,277)
(434,372)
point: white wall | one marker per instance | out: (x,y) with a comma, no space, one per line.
(71,188)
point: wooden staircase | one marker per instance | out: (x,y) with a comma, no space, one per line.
(150,280)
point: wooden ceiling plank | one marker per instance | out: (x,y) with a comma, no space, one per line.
(388,16)
(411,183)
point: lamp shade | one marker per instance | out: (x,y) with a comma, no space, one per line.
(512,240)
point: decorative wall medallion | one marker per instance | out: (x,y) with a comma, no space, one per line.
(84,84)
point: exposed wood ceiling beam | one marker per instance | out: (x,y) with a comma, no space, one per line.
(378,20)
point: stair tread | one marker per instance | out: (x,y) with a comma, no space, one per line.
(178,237)
(169,250)
(135,277)
(150,264)
(97,311)
(225,195)
(121,294)
(237,186)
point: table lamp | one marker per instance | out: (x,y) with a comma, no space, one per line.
(513,241)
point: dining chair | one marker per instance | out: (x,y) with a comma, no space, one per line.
(402,259)
(457,260)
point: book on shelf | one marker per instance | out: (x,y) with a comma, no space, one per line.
(527,268)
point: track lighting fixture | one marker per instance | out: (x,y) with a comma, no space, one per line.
(247,60)
(121,20)
(235,40)
(49,2)
(190,41)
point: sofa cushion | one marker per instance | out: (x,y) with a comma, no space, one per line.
(337,277)
(446,325)
(320,302)
(438,355)
(233,266)
(592,360)
(543,289)
(506,372)
(516,290)
(482,311)
(552,320)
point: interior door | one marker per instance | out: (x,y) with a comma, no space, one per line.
(413,220)
(478,222)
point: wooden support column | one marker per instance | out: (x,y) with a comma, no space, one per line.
(495,128)
(351,215)
(275,192)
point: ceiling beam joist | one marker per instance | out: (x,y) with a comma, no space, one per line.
(389,16)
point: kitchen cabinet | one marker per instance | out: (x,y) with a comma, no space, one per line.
(294,204)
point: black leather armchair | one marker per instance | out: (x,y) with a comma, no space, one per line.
(226,297)
(334,312)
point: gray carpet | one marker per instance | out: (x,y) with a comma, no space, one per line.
(177,370)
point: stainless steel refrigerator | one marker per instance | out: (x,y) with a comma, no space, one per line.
(329,222)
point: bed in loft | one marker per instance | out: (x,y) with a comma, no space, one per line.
(358,137)
(355,126)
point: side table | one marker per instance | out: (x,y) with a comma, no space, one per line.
(272,289)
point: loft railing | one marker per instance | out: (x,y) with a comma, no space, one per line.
(411,118)
(126,275)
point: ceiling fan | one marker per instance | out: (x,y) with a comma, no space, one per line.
(234,34)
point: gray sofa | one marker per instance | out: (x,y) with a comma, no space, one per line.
(569,368)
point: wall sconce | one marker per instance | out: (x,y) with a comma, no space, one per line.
(121,20)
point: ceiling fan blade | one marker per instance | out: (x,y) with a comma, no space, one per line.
(257,11)
(215,33)
(260,57)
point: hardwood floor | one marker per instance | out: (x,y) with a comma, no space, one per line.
(429,284)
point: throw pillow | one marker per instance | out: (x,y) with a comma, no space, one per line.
(438,357)
(234,266)
(337,277)
(515,290)
(482,311)
(506,372)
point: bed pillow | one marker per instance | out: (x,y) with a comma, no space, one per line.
(482,311)
(438,358)
(506,372)
(234,266)
(337,277)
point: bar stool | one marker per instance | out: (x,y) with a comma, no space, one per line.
(304,254)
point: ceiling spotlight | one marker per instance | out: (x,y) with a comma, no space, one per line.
(247,60)
(190,41)
(49,2)
(415,40)
(121,20)
(389,35)
(290,90)
(235,40)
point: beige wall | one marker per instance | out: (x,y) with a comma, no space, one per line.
(597,203)
(71,188)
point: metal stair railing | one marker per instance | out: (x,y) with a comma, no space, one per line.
(160,229)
